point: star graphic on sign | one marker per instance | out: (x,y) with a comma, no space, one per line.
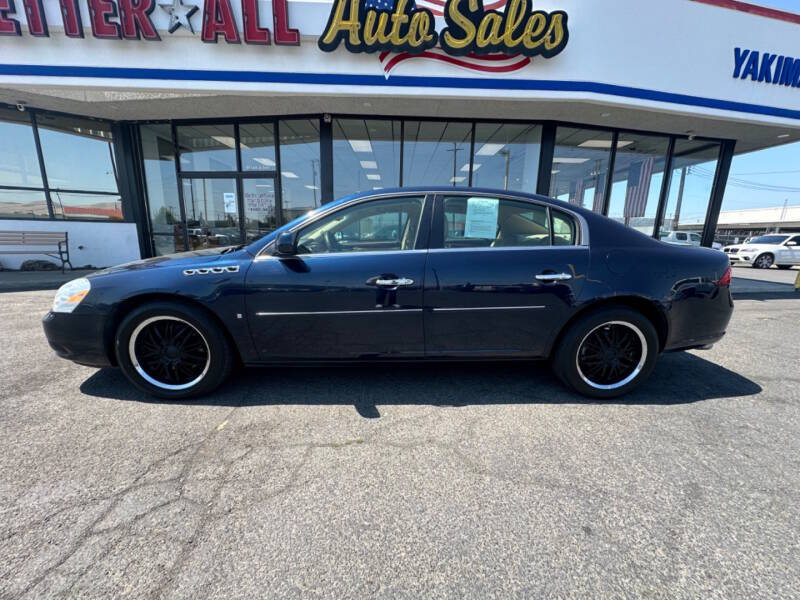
(179,14)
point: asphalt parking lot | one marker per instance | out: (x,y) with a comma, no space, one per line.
(447,481)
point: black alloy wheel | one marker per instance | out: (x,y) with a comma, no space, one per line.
(611,354)
(173,350)
(607,352)
(169,352)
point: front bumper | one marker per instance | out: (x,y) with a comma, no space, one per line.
(80,338)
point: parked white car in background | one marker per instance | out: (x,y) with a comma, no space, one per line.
(781,249)
(687,238)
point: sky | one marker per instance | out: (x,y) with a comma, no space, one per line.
(764,178)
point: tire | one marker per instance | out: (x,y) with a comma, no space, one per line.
(763,261)
(784,267)
(578,349)
(198,361)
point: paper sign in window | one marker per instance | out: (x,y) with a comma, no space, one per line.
(481,220)
(229,201)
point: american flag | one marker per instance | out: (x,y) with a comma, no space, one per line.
(640,174)
(482,63)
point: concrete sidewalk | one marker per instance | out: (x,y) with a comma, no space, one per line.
(24,281)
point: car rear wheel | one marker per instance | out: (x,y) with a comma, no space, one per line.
(763,261)
(607,353)
(172,350)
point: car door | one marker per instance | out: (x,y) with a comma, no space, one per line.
(792,251)
(352,291)
(502,275)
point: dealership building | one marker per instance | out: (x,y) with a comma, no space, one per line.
(148,127)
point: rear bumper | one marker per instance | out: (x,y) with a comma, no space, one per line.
(700,319)
(78,337)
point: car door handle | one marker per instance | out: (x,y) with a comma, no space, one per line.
(554,277)
(400,282)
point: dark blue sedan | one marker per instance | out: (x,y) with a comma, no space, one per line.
(401,275)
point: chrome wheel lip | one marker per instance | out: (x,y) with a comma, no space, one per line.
(149,378)
(633,374)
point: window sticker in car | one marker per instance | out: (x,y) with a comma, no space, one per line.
(481,220)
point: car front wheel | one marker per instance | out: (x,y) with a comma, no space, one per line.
(763,261)
(172,350)
(607,353)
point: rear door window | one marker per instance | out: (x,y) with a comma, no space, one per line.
(485,222)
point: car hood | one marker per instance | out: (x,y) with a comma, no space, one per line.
(184,260)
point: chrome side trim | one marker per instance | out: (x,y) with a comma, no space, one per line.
(385,311)
(488,308)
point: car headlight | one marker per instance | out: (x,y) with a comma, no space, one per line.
(70,295)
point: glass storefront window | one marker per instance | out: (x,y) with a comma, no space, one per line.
(260,216)
(257,144)
(158,152)
(694,164)
(300,167)
(366,155)
(77,205)
(23,204)
(436,153)
(212,212)
(19,164)
(580,166)
(168,244)
(638,174)
(207,148)
(506,156)
(78,154)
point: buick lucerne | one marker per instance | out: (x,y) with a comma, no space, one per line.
(402,275)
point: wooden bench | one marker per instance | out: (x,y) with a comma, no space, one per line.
(54,244)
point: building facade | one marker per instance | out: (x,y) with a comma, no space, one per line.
(147,127)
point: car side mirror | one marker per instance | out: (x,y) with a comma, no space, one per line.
(287,244)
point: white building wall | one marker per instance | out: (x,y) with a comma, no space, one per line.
(96,244)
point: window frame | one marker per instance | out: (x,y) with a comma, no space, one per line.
(437,223)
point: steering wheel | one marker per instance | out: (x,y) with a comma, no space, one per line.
(331,245)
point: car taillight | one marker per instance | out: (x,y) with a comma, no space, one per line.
(725,280)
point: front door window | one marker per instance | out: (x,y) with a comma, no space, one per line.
(377,225)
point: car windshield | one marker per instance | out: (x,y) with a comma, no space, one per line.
(768,239)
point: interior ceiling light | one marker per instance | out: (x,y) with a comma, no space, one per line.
(566,160)
(225,140)
(289,174)
(489,149)
(267,162)
(604,144)
(457,179)
(373,176)
(475,167)
(311,187)
(360,145)
(369,164)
